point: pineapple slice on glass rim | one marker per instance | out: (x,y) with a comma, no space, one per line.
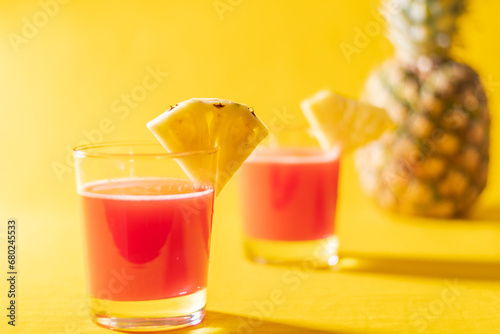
(343,123)
(199,124)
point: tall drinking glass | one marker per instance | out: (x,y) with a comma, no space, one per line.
(289,197)
(146,230)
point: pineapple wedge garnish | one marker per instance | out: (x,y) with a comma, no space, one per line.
(342,122)
(204,124)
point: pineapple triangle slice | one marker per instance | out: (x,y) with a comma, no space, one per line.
(204,124)
(342,122)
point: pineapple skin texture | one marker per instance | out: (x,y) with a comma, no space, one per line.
(435,163)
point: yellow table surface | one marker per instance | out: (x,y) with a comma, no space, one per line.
(63,81)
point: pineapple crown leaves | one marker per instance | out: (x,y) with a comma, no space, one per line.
(422,27)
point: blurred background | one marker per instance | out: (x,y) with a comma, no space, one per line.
(75,71)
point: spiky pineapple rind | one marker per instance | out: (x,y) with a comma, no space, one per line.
(436,162)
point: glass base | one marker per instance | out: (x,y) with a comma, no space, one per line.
(150,315)
(311,253)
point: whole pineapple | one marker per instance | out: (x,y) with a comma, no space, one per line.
(436,162)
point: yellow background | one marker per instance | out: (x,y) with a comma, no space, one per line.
(64,80)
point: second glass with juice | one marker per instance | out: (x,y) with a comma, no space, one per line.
(289,198)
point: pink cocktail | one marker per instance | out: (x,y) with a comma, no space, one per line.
(141,243)
(147,232)
(289,199)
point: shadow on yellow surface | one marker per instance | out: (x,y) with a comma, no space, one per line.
(479,270)
(216,323)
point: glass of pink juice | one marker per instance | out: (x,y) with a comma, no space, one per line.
(289,197)
(146,230)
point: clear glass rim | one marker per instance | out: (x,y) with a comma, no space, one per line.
(91,150)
